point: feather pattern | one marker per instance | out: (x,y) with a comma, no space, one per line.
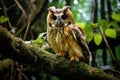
(81,40)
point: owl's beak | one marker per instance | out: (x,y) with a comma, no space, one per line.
(59,22)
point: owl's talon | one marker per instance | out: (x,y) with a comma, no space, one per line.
(74,59)
(60,54)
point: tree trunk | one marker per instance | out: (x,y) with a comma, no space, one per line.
(109,10)
(95,11)
(102,9)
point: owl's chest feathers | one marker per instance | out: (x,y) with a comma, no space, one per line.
(60,38)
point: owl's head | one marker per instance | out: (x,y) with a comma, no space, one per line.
(58,18)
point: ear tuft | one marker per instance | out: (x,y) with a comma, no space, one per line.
(65,8)
(51,9)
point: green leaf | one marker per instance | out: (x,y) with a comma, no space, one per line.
(116,17)
(94,25)
(3,19)
(110,33)
(90,36)
(82,25)
(88,28)
(103,23)
(97,39)
(113,24)
(39,39)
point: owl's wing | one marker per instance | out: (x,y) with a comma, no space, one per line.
(80,38)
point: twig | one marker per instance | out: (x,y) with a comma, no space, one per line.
(21,8)
(29,22)
(27,29)
(107,44)
(20,20)
(5,12)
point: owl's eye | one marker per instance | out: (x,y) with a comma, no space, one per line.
(64,16)
(54,17)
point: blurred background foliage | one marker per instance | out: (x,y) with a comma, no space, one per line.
(27,19)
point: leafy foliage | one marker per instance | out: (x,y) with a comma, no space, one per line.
(39,41)
(3,19)
(103,23)
(93,33)
(116,17)
(82,25)
(110,33)
(90,36)
(88,31)
(97,39)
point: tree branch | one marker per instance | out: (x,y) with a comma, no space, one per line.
(16,49)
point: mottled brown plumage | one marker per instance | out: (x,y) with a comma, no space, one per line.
(65,37)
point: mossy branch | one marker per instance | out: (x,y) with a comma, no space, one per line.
(16,49)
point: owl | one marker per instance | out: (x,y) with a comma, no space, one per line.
(65,37)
